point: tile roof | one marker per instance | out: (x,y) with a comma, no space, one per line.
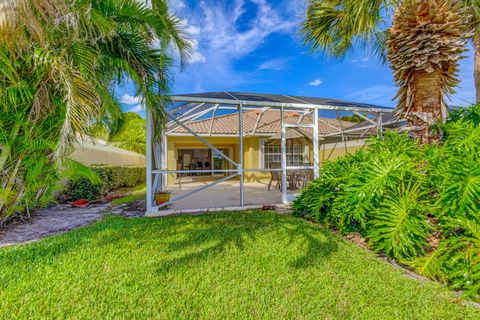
(268,125)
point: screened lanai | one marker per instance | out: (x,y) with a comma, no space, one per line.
(222,150)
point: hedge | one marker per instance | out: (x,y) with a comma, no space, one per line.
(111,177)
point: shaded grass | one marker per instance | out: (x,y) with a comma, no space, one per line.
(231,265)
(136,193)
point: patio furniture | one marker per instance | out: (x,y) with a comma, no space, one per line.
(292,180)
(179,168)
(303,178)
(275,176)
(192,166)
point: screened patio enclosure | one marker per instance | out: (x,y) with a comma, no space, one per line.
(229,149)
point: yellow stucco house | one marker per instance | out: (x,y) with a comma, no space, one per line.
(239,145)
(261,142)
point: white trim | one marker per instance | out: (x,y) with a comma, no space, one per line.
(261,152)
(149,154)
(316,150)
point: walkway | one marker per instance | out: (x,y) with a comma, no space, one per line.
(63,218)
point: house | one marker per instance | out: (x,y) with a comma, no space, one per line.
(222,149)
(261,140)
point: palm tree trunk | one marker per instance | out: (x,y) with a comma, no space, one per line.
(476,68)
(427,95)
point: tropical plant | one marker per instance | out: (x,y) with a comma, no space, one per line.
(334,26)
(418,205)
(58,74)
(462,255)
(425,43)
(130,133)
(400,226)
(469,114)
(353,187)
(316,202)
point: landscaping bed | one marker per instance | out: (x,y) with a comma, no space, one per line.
(231,265)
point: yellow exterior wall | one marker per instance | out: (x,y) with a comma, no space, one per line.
(252,150)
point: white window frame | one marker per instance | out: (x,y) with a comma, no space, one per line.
(304,153)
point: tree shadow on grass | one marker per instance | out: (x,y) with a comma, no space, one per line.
(189,239)
(217,233)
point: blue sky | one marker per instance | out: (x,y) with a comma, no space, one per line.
(254,46)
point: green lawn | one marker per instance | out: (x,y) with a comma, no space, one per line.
(234,265)
(136,193)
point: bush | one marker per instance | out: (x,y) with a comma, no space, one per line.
(417,204)
(110,178)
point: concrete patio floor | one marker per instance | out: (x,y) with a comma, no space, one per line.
(224,194)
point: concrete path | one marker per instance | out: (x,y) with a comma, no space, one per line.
(60,219)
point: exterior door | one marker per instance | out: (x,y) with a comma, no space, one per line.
(219,162)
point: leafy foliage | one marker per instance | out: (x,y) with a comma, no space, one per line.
(57,78)
(417,204)
(399,227)
(131,134)
(110,178)
(424,40)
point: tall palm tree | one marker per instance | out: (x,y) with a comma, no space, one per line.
(334,26)
(60,61)
(425,43)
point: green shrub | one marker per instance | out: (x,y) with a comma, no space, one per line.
(351,188)
(400,227)
(316,202)
(82,188)
(417,204)
(110,178)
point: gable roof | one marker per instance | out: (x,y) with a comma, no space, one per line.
(268,125)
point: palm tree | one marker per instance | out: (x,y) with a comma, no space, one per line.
(425,43)
(334,26)
(60,61)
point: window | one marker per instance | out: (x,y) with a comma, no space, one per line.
(297,154)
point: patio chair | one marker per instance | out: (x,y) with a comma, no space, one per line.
(275,176)
(303,178)
(192,166)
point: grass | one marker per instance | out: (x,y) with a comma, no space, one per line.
(232,265)
(135,194)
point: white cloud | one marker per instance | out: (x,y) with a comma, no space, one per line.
(197,57)
(221,37)
(277,64)
(138,108)
(360,59)
(377,94)
(362,62)
(129,99)
(315,83)
(177,5)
